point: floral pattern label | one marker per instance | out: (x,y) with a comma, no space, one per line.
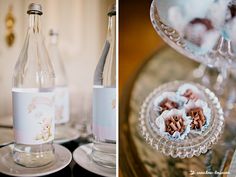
(104,113)
(33,116)
(61,105)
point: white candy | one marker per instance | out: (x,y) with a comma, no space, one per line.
(178,13)
(176,19)
(217,12)
(189,9)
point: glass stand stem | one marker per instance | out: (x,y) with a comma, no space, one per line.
(231,94)
(199,71)
(231,100)
(221,80)
(201,74)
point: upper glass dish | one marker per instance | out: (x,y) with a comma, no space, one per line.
(193,144)
(221,55)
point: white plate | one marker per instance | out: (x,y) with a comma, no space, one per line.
(65,134)
(6,121)
(82,157)
(6,136)
(8,166)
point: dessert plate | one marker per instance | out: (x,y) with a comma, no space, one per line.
(64,134)
(193,144)
(9,167)
(82,157)
(6,136)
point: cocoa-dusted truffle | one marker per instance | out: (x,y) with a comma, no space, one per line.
(198,118)
(167,101)
(175,124)
(168,104)
(190,95)
(190,92)
(196,29)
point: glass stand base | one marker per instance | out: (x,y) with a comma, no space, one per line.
(104,154)
(33,156)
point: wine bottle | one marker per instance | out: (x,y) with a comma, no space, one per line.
(104,100)
(61,85)
(33,98)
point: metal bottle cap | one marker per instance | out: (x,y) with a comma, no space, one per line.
(112,10)
(35,8)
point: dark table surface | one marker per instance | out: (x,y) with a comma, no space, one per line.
(73,169)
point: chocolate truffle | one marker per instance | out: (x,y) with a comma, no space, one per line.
(168,104)
(190,92)
(198,118)
(190,95)
(174,124)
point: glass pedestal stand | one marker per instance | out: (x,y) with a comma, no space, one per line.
(137,158)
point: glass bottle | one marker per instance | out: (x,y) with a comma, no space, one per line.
(61,86)
(104,100)
(33,98)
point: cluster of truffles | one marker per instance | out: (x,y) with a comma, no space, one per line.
(182,112)
(200,22)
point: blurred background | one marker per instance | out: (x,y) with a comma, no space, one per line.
(82,27)
(137,38)
(137,42)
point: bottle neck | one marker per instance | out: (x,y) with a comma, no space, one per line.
(105,73)
(111,28)
(57,62)
(34,23)
(109,72)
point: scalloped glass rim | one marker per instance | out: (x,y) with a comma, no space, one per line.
(221,55)
(193,144)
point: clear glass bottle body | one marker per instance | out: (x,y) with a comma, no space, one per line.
(62,113)
(33,79)
(104,101)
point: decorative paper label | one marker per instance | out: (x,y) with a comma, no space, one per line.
(33,116)
(62,113)
(104,113)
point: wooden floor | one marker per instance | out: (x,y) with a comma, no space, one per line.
(137,38)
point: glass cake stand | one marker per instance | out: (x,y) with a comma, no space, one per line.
(220,56)
(194,144)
